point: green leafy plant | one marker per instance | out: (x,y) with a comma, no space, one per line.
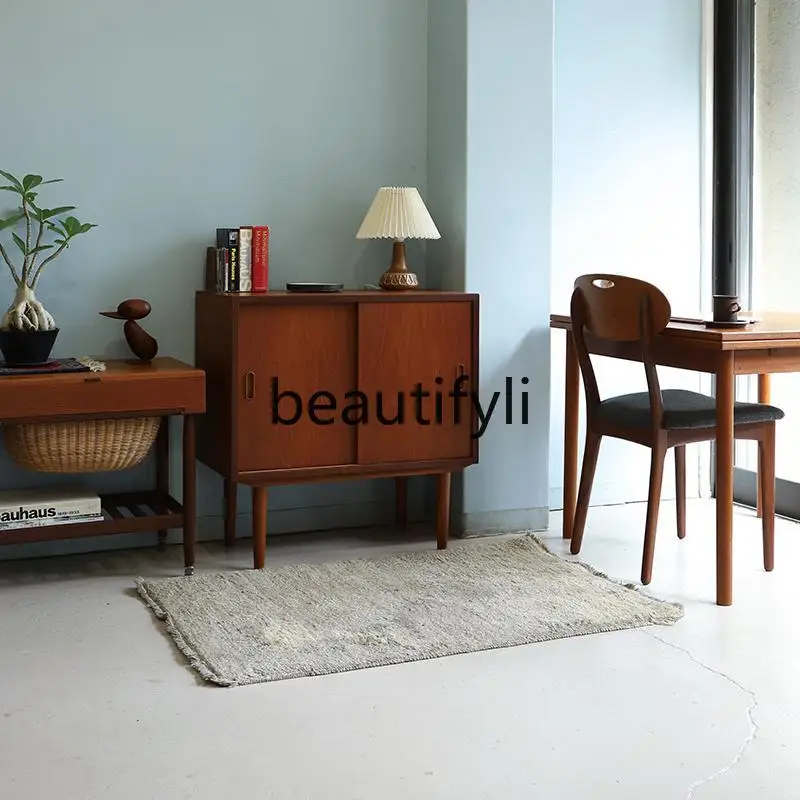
(28,225)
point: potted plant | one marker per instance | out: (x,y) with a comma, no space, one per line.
(27,330)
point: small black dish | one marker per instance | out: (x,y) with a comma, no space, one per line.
(305,286)
(733,323)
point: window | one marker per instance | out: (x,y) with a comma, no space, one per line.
(756,142)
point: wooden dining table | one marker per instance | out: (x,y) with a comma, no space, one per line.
(770,344)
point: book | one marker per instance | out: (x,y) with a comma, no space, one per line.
(222,271)
(50,367)
(43,523)
(228,238)
(245,259)
(260,258)
(240,260)
(46,505)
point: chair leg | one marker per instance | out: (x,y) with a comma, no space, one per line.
(766,452)
(590,452)
(653,500)
(680,489)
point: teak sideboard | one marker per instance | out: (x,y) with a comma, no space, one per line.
(336,363)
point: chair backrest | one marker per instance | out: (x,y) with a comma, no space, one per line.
(621,309)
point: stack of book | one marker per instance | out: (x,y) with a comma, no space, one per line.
(37,507)
(242,259)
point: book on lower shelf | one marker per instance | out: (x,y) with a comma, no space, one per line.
(53,505)
(44,523)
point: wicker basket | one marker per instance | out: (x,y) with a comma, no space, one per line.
(95,445)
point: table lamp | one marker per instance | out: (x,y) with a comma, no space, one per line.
(398,213)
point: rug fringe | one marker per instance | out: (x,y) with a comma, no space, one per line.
(193,658)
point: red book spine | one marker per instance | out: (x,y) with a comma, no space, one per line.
(260,261)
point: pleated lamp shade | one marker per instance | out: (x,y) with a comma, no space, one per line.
(398,213)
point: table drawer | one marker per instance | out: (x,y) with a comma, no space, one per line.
(99,394)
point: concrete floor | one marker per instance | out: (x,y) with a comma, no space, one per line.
(95,702)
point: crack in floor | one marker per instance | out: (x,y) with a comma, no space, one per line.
(751,736)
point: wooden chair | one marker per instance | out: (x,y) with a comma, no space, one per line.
(623,309)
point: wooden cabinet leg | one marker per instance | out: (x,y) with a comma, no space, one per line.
(162,470)
(189,494)
(231,489)
(259,526)
(401,502)
(442,510)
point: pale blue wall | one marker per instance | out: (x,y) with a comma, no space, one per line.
(628,162)
(509,170)
(572,130)
(447,141)
(490,84)
(167,120)
(173,131)
(447,160)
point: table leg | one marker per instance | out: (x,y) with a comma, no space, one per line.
(162,470)
(259,526)
(189,494)
(763,397)
(724,478)
(571,408)
(442,509)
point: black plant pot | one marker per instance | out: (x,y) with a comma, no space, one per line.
(26,348)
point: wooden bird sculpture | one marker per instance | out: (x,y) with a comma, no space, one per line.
(141,343)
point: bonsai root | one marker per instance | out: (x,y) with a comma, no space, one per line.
(26,313)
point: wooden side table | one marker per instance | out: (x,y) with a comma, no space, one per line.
(164,387)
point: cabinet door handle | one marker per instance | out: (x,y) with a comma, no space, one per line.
(249,385)
(461,369)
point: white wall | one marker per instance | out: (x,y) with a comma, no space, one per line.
(626,189)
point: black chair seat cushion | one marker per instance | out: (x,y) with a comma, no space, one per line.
(682,409)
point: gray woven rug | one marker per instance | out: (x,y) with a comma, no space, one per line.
(250,626)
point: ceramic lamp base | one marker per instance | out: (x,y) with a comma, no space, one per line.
(398,277)
(398,280)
